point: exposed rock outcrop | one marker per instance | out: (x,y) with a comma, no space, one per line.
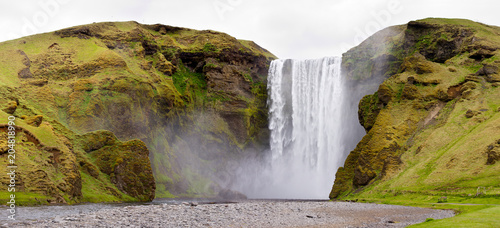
(493,152)
(11,107)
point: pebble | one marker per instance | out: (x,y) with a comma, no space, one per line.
(248,214)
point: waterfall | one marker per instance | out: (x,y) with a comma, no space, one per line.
(305,109)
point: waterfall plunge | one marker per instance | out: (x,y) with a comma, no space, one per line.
(305,107)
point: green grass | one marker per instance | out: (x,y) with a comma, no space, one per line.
(208,47)
(257,49)
(470,212)
(126,26)
(476,217)
(94,191)
(10,65)
(457,138)
(23,198)
(483,31)
(184,77)
(88,50)
(162,192)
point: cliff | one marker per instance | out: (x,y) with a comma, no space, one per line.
(432,120)
(102,107)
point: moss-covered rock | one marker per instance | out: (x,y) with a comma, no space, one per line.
(385,94)
(410,92)
(493,152)
(128,167)
(96,140)
(33,120)
(10,107)
(369,107)
(418,64)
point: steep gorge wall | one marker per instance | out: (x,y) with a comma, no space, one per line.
(432,120)
(180,97)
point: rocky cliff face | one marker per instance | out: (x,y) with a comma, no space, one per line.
(432,122)
(180,98)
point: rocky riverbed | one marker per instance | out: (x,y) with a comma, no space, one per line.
(246,214)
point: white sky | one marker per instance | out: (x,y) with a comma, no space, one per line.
(287,28)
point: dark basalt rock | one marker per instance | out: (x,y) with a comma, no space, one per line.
(80,32)
(493,152)
(483,54)
(487,70)
(420,25)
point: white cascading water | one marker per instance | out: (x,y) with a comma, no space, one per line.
(305,108)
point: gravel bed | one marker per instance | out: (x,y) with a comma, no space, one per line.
(247,214)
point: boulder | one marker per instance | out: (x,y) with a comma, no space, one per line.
(472,78)
(493,152)
(385,93)
(96,140)
(38,82)
(468,86)
(487,70)
(228,194)
(11,107)
(33,120)
(482,54)
(25,73)
(417,63)
(165,66)
(410,92)
(363,176)
(4,147)
(495,78)
(129,169)
(368,110)
(471,113)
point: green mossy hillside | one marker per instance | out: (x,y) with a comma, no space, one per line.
(54,168)
(432,126)
(93,90)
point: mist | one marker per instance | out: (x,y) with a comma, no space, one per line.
(307,143)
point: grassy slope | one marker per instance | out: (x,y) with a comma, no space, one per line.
(446,158)
(41,101)
(120,77)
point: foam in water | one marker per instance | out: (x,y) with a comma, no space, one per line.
(305,109)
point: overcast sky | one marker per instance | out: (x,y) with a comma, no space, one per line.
(288,28)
